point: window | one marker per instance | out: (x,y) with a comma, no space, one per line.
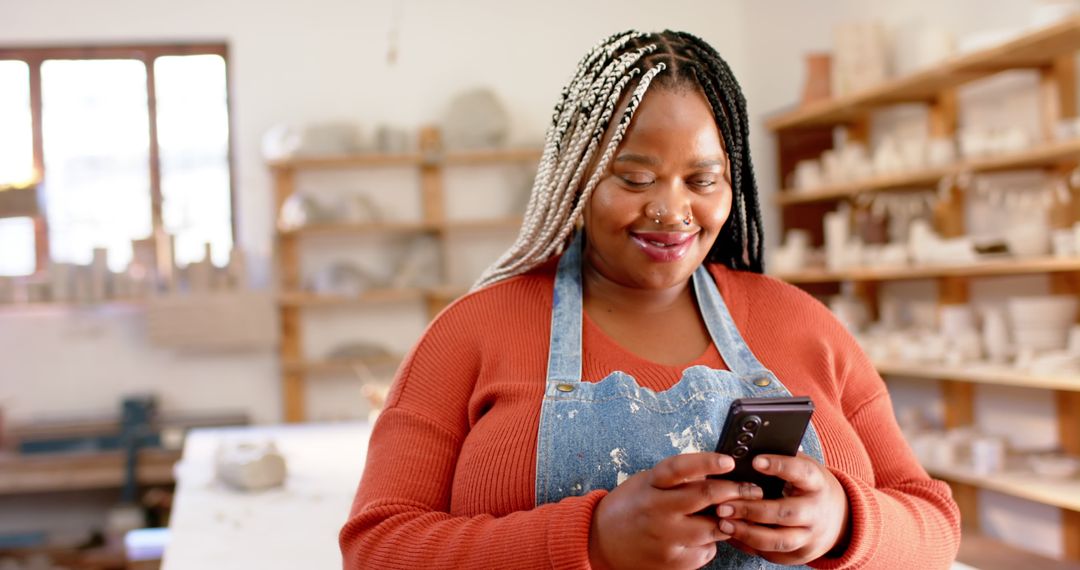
(122,144)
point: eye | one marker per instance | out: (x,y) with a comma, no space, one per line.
(636,181)
(702,183)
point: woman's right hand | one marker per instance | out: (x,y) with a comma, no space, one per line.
(649,520)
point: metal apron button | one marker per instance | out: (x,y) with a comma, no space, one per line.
(564,388)
(762,382)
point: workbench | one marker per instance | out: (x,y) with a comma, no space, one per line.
(289,528)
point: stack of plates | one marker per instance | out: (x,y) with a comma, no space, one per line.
(1042,323)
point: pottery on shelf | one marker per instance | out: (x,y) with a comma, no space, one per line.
(818,85)
(476,119)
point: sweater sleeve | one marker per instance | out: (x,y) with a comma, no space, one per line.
(400,517)
(902,518)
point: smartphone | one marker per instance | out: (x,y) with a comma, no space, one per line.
(756,426)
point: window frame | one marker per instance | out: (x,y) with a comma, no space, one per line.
(34,56)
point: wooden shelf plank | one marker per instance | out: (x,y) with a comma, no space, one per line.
(374,159)
(1035,49)
(306,299)
(47,473)
(339,366)
(980,374)
(1064,494)
(923,178)
(418,227)
(1000,267)
(507,223)
(1058,153)
(985,553)
(490,156)
(338,229)
(448,293)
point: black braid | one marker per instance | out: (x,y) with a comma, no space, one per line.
(692,61)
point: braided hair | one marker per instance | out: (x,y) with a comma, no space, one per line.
(630,62)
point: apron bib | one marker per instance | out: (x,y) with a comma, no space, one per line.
(595,435)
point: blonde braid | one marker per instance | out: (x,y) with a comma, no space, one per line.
(578,127)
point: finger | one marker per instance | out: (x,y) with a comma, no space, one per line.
(801,471)
(694,496)
(767,539)
(678,469)
(699,531)
(790,511)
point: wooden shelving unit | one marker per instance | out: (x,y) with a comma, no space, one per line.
(431,160)
(1048,155)
(49,473)
(980,374)
(996,268)
(1063,494)
(806,132)
(1038,50)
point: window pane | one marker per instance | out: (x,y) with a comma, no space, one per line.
(17,246)
(97,165)
(193,139)
(16,143)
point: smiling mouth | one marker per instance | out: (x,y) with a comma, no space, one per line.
(664,239)
(664,246)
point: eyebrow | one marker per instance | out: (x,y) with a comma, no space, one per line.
(653,161)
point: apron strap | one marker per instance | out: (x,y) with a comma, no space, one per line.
(564,354)
(722,327)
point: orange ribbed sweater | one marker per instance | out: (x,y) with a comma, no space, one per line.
(449,475)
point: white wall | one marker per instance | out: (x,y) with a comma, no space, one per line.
(293,62)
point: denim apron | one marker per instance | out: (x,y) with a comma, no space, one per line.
(595,435)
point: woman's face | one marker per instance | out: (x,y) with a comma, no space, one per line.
(670,166)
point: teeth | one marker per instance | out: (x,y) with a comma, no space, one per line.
(658,243)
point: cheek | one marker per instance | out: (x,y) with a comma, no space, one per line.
(715,211)
(610,206)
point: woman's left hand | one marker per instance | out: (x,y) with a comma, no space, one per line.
(809,521)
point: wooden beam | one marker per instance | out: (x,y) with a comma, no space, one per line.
(952,290)
(293,381)
(959,403)
(1057,94)
(41,221)
(967,499)
(1068,412)
(1070,526)
(163,245)
(943,116)
(433,198)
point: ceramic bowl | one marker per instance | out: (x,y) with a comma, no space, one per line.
(1045,309)
(1054,466)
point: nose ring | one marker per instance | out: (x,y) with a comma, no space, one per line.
(688,219)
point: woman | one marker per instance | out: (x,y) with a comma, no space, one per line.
(564,412)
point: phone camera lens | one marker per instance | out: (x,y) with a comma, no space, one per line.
(751,423)
(740,451)
(744,438)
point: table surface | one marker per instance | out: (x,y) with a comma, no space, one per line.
(296,526)
(292,527)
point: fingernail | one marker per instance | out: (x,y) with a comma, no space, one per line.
(726,527)
(725,461)
(725,511)
(761,463)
